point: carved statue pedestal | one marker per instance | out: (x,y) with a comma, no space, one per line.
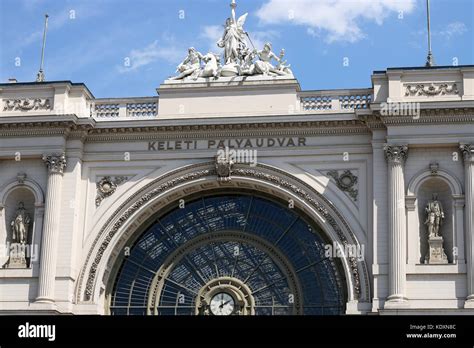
(436,254)
(17,257)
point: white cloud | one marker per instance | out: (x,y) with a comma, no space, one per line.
(453,29)
(138,58)
(259,38)
(212,34)
(58,20)
(336,20)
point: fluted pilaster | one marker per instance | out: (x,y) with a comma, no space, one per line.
(396,156)
(468,154)
(55,164)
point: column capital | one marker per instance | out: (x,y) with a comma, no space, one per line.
(55,162)
(467,151)
(396,153)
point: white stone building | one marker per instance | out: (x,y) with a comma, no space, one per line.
(130,212)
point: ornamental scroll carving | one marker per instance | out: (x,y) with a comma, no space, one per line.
(431,90)
(346,181)
(27,104)
(107,186)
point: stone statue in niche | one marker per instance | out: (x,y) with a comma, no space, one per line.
(435,216)
(434,220)
(19,227)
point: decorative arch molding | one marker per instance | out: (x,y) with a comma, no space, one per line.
(27,183)
(421,177)
(130,216)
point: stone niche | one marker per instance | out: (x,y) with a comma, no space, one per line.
(19,194)
(424,195)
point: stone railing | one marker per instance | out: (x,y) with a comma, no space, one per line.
(335,100)
(125,108)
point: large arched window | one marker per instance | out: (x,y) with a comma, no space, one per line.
(229,254)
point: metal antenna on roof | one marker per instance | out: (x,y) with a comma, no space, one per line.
(429,60)
(40,75)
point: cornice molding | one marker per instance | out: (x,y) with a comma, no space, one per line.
(432,116)
(229,130)
(373,122)
(69,129)
(90,130)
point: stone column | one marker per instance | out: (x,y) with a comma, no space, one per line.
(468,153)
(396,156)
(55,164)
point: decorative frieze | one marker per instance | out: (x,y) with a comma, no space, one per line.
(107,187)
(431,90)
(346,181)
(27,104)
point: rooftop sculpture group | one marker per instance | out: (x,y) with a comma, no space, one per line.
(239,59)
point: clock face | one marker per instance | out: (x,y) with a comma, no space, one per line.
(222,304)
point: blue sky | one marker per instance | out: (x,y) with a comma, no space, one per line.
(121,48)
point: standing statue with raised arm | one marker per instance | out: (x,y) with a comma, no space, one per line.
(234,44)
(233,40)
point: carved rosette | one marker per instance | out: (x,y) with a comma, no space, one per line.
(467,151)
(107,187)
(346,181)
(55,163)
(27,104)
(396,153)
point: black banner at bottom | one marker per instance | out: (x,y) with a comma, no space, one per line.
(44,331)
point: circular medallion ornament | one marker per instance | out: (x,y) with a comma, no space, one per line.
(347,180)
(106,186)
